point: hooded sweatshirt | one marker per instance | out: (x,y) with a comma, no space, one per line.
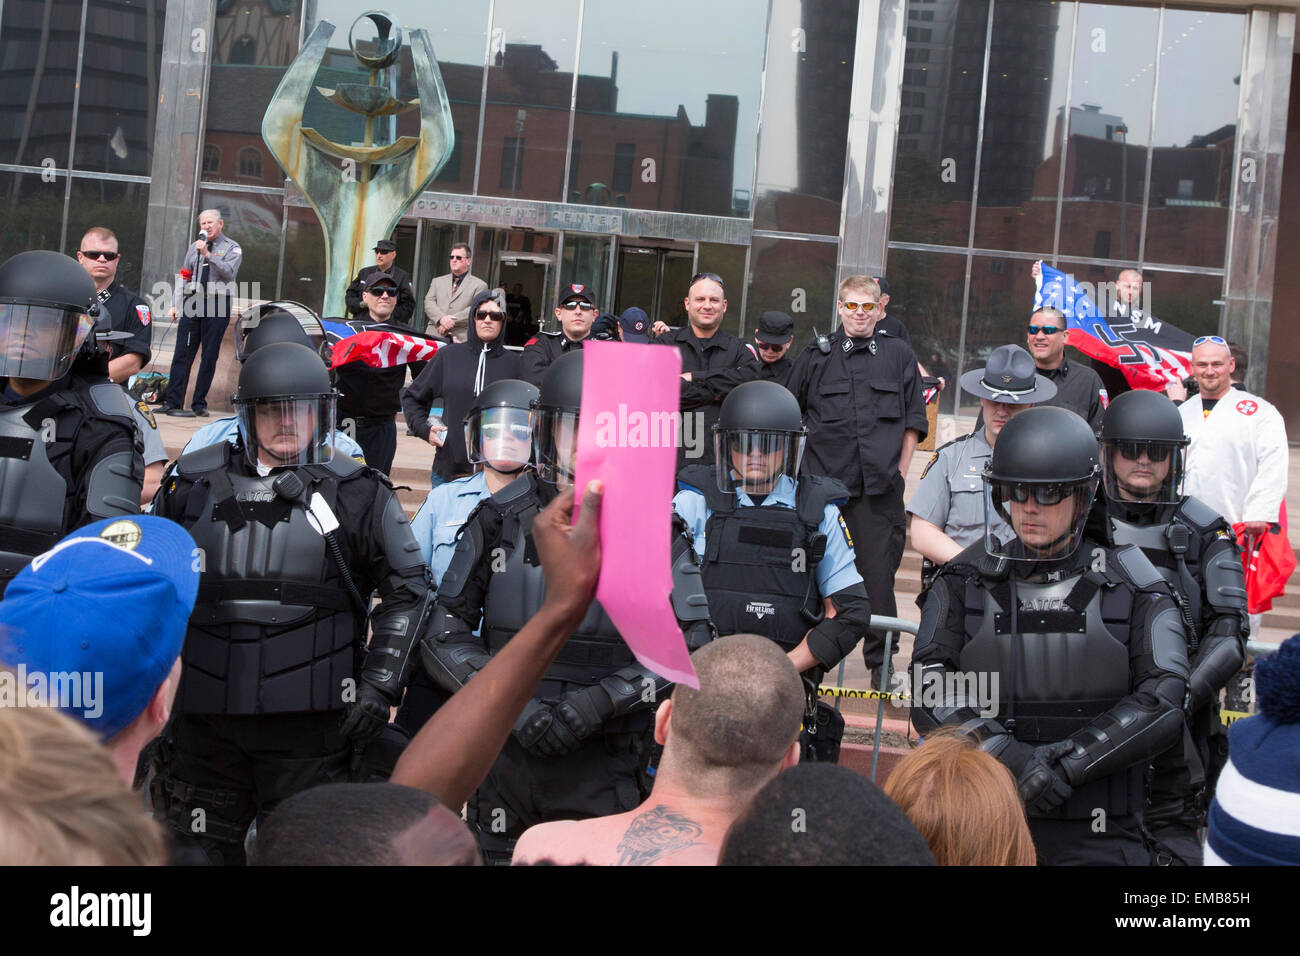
(456,374)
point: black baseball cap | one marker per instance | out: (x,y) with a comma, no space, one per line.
(378,278)
(385,245)
(774,328)
(576,291)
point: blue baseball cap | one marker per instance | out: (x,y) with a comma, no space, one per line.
(636,325)
(110,602)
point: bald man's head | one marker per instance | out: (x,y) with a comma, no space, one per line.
(736,729)
(1212,367)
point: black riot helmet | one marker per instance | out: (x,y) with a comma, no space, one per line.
(1041,480)
(286,406)
(1142,449)
(759,438)
(255,315)
(47,312)
(555,419)
(275,326)
(497,427)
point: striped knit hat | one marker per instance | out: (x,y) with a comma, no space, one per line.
(1255,816)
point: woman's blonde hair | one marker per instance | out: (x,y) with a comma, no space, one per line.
(964,802)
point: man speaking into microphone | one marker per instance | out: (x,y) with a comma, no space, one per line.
(203,306)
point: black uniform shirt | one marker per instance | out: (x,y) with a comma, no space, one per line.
(717,365)
(127,312)
(857,407)
(1078,388)
(541,351)
(778,371)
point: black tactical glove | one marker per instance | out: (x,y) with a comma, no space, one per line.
(532,725)
(561,729)
(578,715)
(1041,783)
(367,716)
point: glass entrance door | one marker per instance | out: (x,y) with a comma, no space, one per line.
(526,277)
(653,279)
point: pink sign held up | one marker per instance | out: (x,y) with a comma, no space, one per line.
(627,437)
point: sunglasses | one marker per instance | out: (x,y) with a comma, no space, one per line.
(1133,450)
(864,306)
(1043,494)
(745,444)
(768,347)
(490,314)
(458,258)
(575,306)
(105,256)
(1045,329)
(384,292)
(711,276)
(1216,339)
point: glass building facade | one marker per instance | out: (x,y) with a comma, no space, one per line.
(945,144)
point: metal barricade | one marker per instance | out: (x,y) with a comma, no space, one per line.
(889,625)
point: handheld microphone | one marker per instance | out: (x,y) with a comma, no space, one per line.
(203,234)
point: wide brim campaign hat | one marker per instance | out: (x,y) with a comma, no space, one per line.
(1011,377)
(111,600)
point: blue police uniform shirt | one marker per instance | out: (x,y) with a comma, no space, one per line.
(439,519)
(227,429)
(836,570)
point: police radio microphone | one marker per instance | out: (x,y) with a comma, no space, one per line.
(823,343)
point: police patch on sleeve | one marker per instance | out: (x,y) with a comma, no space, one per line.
(143,312)
(848,538)
(143,409)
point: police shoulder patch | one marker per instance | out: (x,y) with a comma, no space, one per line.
(848,538)
(143,409)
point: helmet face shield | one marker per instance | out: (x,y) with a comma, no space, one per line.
(754,461)
(555,444)
(499,437)
(1150,472)
(288,431)
(39,342)
(1047,517)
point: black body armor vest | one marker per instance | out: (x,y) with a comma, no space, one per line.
(516,592)
(760,563)
(273,628)
(1060,650)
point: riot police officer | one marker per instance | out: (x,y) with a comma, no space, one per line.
(774,546)
(497,438)
(582,745)
(266,324)
(70,451)
(1066,659)
(1142,448)
(279,690)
